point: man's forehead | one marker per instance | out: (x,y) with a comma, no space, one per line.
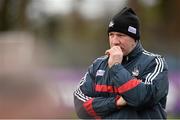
(117,33)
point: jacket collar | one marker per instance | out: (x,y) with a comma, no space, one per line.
(136,51)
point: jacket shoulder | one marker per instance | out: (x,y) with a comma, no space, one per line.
(154,58)
(100,59)
(97,63)
(150,54)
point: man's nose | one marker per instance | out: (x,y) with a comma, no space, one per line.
(116,41)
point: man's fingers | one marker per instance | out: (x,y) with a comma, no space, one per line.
(117,48)
(113,50)
(107,52)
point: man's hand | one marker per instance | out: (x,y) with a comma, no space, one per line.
(120,102)
(115,55)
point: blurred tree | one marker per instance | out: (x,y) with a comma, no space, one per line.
(13,14)
(64,32)
(171,19)
(159,24)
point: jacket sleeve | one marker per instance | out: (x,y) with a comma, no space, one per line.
(88,104)
(142,94)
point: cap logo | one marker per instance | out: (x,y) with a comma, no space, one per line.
(111,24)
(132,29)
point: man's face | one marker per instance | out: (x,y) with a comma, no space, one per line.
(125,42)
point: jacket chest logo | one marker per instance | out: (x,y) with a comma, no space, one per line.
(100,72)
(135,72)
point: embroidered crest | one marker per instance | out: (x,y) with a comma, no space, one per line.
(135,72)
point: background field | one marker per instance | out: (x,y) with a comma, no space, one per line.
(47,45)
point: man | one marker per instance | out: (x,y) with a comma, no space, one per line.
(128,82)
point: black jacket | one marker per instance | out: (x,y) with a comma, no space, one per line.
(141,79)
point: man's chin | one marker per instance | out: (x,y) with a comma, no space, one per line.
(124,53)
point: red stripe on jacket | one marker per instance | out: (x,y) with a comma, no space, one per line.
(89,108)
(121,89)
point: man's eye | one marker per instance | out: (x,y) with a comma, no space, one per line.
(120,35)
(111,35)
